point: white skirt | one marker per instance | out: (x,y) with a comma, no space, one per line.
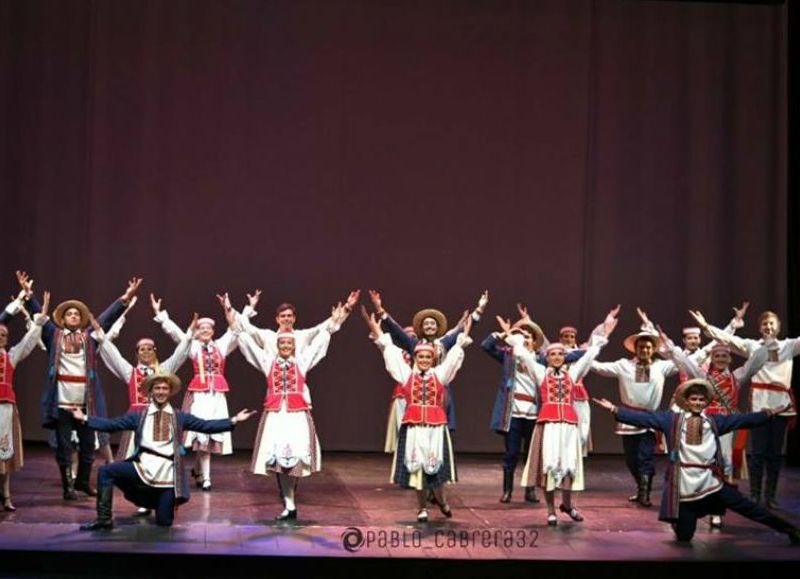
(556,453)
(584,412)
(287,443)
(208,406)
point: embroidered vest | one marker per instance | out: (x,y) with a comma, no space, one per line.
(209,370)
(286,382)
(137,397)
(557,399)
(425,400)
(7,379)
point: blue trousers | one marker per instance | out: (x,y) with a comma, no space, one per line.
(715,504)
(766,447)
(520,429)
(65,424)
(640,450)
(124,476)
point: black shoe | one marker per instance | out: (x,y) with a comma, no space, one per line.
(98,525)
(8,506)
(68,484)
(572,513)
(287,515)
(446,511)
(105,511)
(552,520)
(506,498)
(530,495)
(508,486)
(645,485)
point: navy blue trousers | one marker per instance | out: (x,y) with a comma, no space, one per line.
(520,429)
(715,504)
(124,476)
(766,447)
(65,424)
(640,450)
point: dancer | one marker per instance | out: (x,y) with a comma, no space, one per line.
(206,395)
(287,442)
(725,385)
(286,317)
(11,453)
(72,380)
(641,386)
(153,477)
(691,337)
(424,457)
(694,485)
(555,457)
(397,408)
(771,388)
(430,326)
(516,404)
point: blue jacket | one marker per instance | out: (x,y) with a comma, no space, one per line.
(181,421)
(51,336)
(669,423)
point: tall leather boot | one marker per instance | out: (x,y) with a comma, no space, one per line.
(530,495)
(645,486)
(105,511)
(508,486)
(67,484)
(771,490)
(82,480)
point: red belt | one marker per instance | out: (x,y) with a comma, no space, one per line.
(524,397)
(770,387)
(68,378)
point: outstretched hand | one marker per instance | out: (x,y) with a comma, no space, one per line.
(505,325)
(77,413)
(668,344)
(483,301)
(130,291)
(352,300)
(604,403)
(193,324)
(699,318)
(25,282)
(243,415)
(252,300)
(377,302)
(45,303)
(224,301)
(155,303)
(523,312)
(738,316)
(372,323)
(95,324)
(611,321)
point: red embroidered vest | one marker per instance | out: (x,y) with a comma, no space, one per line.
(7,379)
(213,371)
(425,399)
(725,382)
(137,397)
(286,383)
(557,399)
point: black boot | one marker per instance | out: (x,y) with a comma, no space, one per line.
(105,511)
(645,485)
(530,495)
(771,490)
(82,480)
(67,484)
(508,486)
(755,490)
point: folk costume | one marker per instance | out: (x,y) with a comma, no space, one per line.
(286,442)
(771,388)
(516,406)
(641,387)
(134,376)
(72,380)
(153,476)
(555,458)
(206,394)
(11,452)
(424,457)
(694,484)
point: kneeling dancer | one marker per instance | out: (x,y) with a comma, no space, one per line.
(694,484)
(154,476)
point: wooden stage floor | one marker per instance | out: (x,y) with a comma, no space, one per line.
(350,503)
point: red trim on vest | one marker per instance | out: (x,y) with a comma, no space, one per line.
(213,372)
(557,403)
(288,384)
(71,378)
(137,398)
(424,400)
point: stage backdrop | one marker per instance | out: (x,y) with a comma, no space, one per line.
(567,155)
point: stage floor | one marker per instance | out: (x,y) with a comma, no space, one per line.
(351,501)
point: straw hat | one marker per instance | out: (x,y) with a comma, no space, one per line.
(440,318)
(171,379)
(680,391)
(58,313)
(630,341)
(533,328)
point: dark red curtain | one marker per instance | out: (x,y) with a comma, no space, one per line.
(568,155)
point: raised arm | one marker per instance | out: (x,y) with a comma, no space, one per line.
(28,342)
(315,351)
(181,352)
(255,355)
(754,363)
(492,346)
(393,358)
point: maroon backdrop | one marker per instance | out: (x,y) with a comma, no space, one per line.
(569,155)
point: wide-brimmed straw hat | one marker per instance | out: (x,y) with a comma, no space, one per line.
(58,313)
(680,391)
(171,379)
(440,318)
(533,328)
(630,341)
